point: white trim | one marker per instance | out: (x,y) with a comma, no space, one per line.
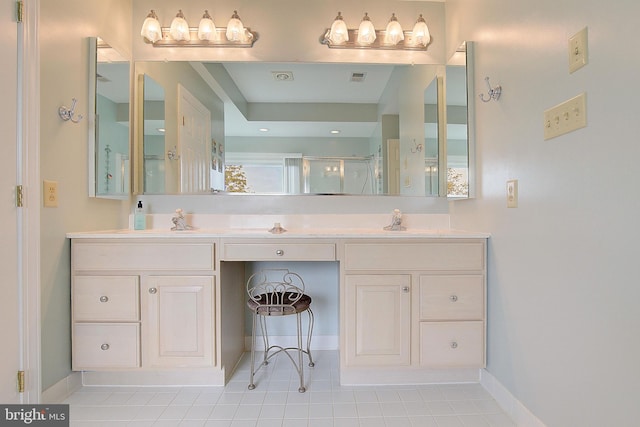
(29,176)
(507,401)
(58,392)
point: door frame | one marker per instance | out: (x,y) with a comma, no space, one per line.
(28,163)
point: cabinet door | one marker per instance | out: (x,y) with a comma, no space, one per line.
(377,315)
(179,321)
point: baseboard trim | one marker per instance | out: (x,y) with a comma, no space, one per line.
(519,413)
(58,392)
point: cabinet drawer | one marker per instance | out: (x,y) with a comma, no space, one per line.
(450,297)
(99,345)
(279,252)
(452,344)
(459,256)
(157,256)
(106,298)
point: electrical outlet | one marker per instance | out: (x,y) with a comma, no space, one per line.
(50,194)
(566,117)
(578,50)
(512,193)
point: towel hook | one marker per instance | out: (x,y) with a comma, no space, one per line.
(494,93)
(67,114)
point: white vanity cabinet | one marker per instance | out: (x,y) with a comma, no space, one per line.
(377,319)
(416,306)
(143,304)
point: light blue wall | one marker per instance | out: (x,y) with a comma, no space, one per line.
(563,293)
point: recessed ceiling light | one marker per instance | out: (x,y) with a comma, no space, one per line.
(263,130)
(282,76)
(335,131)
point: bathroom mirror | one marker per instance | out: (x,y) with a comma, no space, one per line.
(278,137)
(154,154)
(109,148)
(460,129)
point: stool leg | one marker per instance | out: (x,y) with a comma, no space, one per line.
(253,352)
(309,333)
(302,389)
(265,339)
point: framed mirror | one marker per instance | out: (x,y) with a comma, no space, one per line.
(109,142)
(460,136)
(283,128)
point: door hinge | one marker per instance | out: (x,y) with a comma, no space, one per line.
(19,196)
(19,10)
(20,381)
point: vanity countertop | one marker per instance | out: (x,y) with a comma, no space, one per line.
(300,233)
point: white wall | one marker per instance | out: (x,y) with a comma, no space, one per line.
(64,61)
(563,277)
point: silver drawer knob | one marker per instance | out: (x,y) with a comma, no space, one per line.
(454,344)
(104,298)
(153,290)
(405,289)
(453,298)
(279,252)
(104,346)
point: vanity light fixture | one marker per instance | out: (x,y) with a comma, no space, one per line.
(367,37)
(179,34)
(206,28)
(420,34)
(366,31)
(179,29)
(394,33)
(151,29)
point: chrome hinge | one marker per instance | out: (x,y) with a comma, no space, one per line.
(20,381)
(19,196)
(19,10)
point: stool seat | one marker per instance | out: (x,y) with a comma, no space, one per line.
(279,303)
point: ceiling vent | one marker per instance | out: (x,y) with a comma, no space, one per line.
(358,77)
(282,76)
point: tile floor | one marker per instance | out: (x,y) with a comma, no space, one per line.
(276,402)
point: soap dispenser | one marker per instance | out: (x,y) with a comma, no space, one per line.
(139,217)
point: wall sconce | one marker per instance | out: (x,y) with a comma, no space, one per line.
(367,37)
(493,92)
(205,35)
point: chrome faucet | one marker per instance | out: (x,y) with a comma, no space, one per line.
(180,222)
(396,222)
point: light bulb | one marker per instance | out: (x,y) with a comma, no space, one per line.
(394,33)
(179,28)
(151,28)
(420,34)
(338,34)
(206,29)
(235,29)
(366,31)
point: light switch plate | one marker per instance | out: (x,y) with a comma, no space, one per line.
(566,117)
(578,50)
(512,193)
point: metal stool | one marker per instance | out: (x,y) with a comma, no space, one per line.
(278,292)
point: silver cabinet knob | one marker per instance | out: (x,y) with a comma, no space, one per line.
(279,252)
(104,346)
(453,298)
(454,344)
(104,298)
(153,290)
(405,289)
